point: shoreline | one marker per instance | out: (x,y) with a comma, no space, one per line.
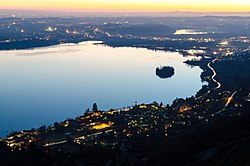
(100,42)
(186,121)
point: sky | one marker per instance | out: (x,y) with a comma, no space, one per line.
(131,5)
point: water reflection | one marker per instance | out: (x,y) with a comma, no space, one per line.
(44,85)
(189,32)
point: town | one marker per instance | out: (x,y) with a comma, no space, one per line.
(113,130)
(189,37)
(180,133)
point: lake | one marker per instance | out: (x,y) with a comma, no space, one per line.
(43,85)
(189,32)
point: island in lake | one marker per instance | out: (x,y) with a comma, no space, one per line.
(164,71)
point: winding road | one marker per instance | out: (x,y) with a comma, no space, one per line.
(214,74)
(230,99)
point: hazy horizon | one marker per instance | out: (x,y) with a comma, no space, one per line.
(129,5)
(51,12)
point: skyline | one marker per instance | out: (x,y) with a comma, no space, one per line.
(130,5)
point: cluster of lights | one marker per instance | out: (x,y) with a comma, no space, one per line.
(50,29)
(75,32)
(102,126)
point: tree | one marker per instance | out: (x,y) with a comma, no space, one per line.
(95,108)
(155,103)
(161,104)
(42,129)
(56,125)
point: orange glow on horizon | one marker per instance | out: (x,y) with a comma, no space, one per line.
(131,5)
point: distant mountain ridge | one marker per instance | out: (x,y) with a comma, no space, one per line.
(28,13)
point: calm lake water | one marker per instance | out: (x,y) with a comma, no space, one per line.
(44,85)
